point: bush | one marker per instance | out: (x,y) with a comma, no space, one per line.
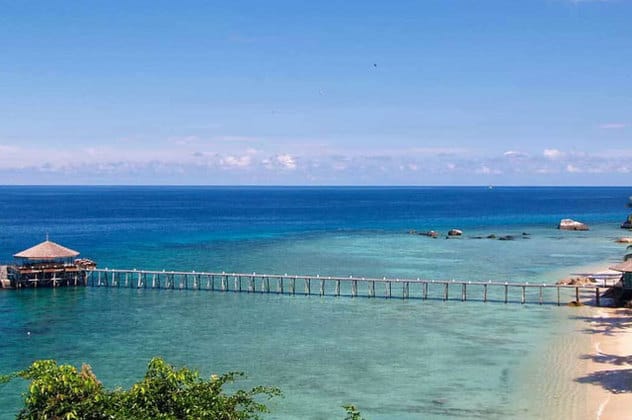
(62,392)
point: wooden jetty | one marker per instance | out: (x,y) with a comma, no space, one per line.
(308,285)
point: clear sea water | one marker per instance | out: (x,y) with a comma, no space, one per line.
(392,358)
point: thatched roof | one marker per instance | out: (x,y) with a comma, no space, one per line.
(47,250)
(624,267)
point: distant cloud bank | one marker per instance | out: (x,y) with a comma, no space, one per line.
(187,162)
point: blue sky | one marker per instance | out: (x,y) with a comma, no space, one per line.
(445,92)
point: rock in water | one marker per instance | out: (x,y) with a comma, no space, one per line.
(624,241)
(455,232)
(628,223)
(570,224)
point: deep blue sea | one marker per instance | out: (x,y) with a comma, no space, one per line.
(392,358)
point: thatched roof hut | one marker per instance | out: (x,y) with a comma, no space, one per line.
(624,267)
(46,251)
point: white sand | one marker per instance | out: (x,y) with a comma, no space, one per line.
(609,368)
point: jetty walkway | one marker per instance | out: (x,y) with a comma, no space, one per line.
(494,291)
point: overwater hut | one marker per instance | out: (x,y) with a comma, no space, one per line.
(48,264)
(626,269)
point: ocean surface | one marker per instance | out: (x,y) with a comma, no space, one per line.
(392,358)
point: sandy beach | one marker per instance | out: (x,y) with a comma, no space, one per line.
(609,363)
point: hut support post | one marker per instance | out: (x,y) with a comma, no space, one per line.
(597,297)
(485,293)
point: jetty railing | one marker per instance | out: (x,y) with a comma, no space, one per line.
(484,291)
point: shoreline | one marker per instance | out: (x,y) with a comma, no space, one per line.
(604,367)
(608,368)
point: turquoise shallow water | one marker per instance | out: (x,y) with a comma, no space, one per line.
(393,358)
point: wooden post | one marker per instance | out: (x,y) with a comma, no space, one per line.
(354,288)
(558,295)
(445,291)
(577,294)
(523,298)
(597,297)
(506,292)
(405,290)
(388,289)
(281,284)
(140,279)
(267,281)
(463,292)
(337,293)
(372,289)
(308,286)
(322,287)
(99,279)
(251,284)
(425,291)
(224,281)
(541,293)
(485,293)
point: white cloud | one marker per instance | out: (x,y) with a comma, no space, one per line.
(286,161)
(236,162)
(515,154)
(486,170)
(613,126)
(570,168)
(552,154)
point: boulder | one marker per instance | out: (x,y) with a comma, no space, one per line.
(506,238)
(628,223)
(492,236)
(430,233)
(570,224)
(576,281)
(455,232)
(624,241)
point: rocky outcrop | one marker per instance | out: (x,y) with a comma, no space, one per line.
(570,224)
(576,281)
(628,223)
(455,232)
(430,233)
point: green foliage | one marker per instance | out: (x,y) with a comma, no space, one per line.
(352,412)
(62,392)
